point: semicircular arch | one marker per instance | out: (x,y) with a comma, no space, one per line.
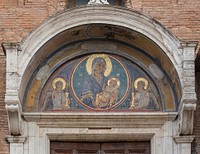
(77,17)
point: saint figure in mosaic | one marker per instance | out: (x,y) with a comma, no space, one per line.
(57,99)
(143,98)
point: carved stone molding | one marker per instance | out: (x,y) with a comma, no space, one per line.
(16,139)
(91,120)
(184,139)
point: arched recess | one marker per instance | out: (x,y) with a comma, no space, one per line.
(34,47)
(121,35)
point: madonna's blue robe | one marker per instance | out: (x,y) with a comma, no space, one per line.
(90,88)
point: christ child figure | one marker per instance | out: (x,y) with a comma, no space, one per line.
(109,95)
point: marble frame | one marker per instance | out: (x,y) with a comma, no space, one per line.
(136,127)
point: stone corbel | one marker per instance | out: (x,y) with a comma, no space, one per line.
(13,109)
(186,118)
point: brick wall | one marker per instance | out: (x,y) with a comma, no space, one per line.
(17,19)
(196,142)
(3,115)
(181,17)
(20,17)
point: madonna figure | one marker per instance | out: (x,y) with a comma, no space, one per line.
(98,67)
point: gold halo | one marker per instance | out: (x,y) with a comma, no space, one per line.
(107,60)
(61,80)
(118,82)
(146,83)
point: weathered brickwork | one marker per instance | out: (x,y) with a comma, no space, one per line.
(3,115)
(196,143)
(19,17)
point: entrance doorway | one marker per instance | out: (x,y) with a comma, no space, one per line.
(100,148)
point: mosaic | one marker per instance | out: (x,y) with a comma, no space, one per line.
(100,82)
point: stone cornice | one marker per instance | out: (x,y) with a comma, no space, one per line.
(10,46)
(108,120)
(184,139)
(15,139)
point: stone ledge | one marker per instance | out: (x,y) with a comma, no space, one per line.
(184,139)
(100,137)
(16,139)
(100,120)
